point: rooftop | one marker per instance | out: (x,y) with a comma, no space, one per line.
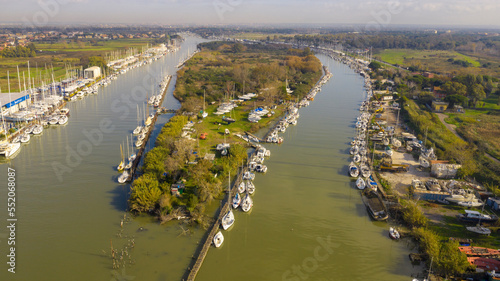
(6,98)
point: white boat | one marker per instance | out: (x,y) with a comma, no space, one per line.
(9,149)
(471,204)
(236,201)
(53,120)
(63,119)
(479,229)
(137,130)
(248,176)
(247,203)
(250,187)
(241,187)
(261,168)
(25,138)
(138,143)
(38,129)
(353,170)
(394,233)
(218,239)
(365,171)
(226,131)
(123,177)
(360,183)
(228,220)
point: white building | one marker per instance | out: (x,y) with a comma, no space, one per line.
(13,102)
(92,72)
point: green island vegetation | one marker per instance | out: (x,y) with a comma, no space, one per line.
(218,73)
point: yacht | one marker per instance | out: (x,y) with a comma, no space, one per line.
(9,149)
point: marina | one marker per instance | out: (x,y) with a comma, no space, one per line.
(279,214)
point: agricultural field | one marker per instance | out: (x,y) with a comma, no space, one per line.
(57,56)
(439,61)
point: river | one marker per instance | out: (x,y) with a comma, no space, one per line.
(66,223)
(306,211)
(308,221)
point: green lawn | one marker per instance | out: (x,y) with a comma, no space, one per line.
(403,56)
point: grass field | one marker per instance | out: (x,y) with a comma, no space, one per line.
(58,55)
(437,61)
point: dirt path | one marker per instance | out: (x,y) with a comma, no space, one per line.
(452,127)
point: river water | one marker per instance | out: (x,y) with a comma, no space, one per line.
(308,222)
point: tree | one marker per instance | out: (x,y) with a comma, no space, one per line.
(154,161)
(451,261)
(456,99)
(413,216)
(477,94)
(145,194)
(428,241)
(454,88)
(375,65)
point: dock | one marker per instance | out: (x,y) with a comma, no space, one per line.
(202,250)
(141,151)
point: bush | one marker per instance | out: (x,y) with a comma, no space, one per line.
(413,216)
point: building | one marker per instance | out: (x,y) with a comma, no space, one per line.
(458,109)
(439,106)
(92,72)
(14,101)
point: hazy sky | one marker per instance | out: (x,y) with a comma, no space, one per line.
(373,13)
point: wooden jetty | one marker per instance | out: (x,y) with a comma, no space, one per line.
(202,250)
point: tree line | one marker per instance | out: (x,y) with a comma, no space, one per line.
(19,51)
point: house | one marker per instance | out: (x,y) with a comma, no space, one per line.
(439,106)
(387,97)
(458,109)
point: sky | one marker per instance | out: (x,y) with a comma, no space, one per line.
(372,14)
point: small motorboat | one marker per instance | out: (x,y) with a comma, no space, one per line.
(218,239)
(394,233)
